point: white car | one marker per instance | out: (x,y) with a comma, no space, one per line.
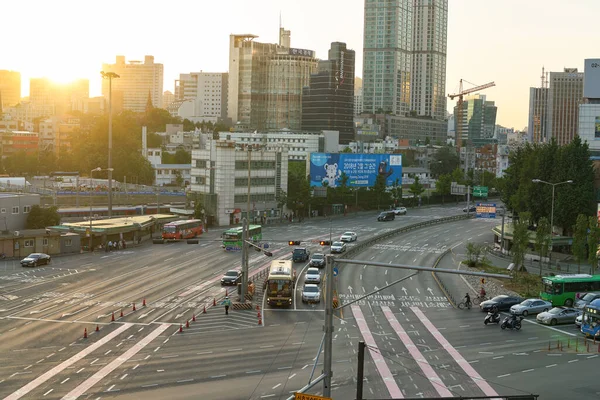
(311,294)
(400,211)
(313,275)
(338,247)
(348,237)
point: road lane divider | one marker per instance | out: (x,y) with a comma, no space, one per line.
(66,364)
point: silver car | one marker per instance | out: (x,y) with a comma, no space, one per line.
(313,275)
(338,247)
(530,306)
(585,300)
(558,315)
(311,294)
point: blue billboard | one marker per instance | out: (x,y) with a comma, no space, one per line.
(485,210)
(361,169)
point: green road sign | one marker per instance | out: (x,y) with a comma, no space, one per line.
(480,191)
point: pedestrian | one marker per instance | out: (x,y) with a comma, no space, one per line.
(227,303)
(110,244)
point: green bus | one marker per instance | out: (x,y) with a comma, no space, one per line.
(232,238)
(563,289)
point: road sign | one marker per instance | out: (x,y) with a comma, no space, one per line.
(482,281)
(485,210)
(480,191)
(304,396)
(335,271)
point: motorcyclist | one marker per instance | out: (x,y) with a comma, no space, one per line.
(513,319)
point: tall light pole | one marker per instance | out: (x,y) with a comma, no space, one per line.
(110,76)
(551,211)
(91,211)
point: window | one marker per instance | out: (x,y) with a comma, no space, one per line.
(45,242)
(15,209)
(26,209)
(69,242)
(3,211)
(28,243)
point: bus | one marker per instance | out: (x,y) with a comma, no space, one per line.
(232,238)
(183,229)
(562,289)
(280,283)
(590,322)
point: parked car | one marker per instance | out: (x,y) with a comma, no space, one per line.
(311,294)
(558,315)
(386,216)
(586,299)
(503,302)
(231,277)
(317,260)
(400,211)
(348,237)
(35,259)
(338,247)
(313,275)
(531,306)
(300,254)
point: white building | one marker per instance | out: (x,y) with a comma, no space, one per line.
(220,175)
(202,96)
(136,81)
(168,174)
(502,160)
(589,113)
(387,145)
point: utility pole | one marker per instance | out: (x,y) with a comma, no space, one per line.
(245,256)
(360,373)
(328,327)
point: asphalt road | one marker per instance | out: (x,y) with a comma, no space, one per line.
(45,310)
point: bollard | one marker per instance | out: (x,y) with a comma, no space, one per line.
(558,344)
(133,306)
(193,317)
(121,313)
(97,328)
(144,303)
(257,307)
(85,333)
(214,301)
(180,328)
(113,317)
(548,346)
(187,323)
(204,311)
(577,345)
(588,347)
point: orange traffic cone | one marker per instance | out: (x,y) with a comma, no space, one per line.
(193,317)
(97,328)
(257,307)
(187,323)
(121,313)
(204,311)
(180,328)
(258,315)
(85,333)
(144,303)
(260,321)
(113,317)
(133,306)
(214,301)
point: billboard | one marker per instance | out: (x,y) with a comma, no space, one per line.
(591,78)
(362,169)
(302,52)
(485,210)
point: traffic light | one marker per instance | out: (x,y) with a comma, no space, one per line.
(294,242)
(325,242)
(268,254)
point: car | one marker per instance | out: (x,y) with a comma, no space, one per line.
(35,259)
(470,209)
(317,260)
(338,247)
(531,306)
(400,211)
(558,315)
(348,237)
(300,254)
(311,294)
(503,302)
(231,277)
(313,275)
(386,216)
(586,299)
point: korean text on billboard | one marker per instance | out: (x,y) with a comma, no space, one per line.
(326,169)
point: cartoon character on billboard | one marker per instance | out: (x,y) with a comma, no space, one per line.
(332,173)
(384,169)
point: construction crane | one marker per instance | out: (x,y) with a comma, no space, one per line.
(458,117)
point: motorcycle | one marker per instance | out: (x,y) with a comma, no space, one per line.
(511,323)
(491,318)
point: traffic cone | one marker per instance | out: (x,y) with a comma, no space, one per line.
(257,307)
(144,303)
(258,315)
(112,319)
(260,321)
(204,311)
(180,328)
(214,301)
(97,328)
(121,313)
(194,317)
(133,306)
(85,333)
(187,323)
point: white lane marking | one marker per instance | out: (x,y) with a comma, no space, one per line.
(65,380)
(186,380)
(253,372)
(551,365)
(48,392)
(94,379)
(110,388)
(65,364)
(123,377)
(205,352)
(218,376)
(502,376)
(276,386)
(291,376)
(78,371)
(137,365)
(527,370)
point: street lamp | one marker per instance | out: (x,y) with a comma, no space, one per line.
(551,209)
(110,76)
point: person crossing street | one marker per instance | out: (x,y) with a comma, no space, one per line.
(227,303)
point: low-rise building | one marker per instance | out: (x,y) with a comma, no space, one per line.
(172,174)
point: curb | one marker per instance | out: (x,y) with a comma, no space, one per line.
(440,283)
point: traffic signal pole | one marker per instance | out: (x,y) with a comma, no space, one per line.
(245,257)
(328,326)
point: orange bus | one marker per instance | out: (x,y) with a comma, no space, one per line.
(183,229)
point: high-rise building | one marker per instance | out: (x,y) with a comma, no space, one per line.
(565,94)
(168,98)
(63,98)
(589,111)
(207,92)
(328,101)
(10,88)
(137,80)
(358,96)
(478,120)
(404,57)
(538,109)
(266,81)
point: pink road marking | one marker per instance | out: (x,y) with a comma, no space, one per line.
(416,354)
(470,371)
(92,380)
(382,367)
(65,364)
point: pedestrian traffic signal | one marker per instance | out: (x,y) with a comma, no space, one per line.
(294,242)
(325,242)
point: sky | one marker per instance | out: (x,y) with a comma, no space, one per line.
(507,42)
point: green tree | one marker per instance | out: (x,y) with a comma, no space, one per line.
(443,185)
(396,192)
(580,240)
(182,156)
(445,161)
(593,240)
(474,253)
(178,178)
(40,218)
(458,176)
(416,189)
(520,240)
(542,239)
(379,190)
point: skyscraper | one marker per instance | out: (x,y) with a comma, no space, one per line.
(404,57)
(136,81)
(207,90)
(538,109)
(328,101)
(10,88)
(478,120)
(564,97)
